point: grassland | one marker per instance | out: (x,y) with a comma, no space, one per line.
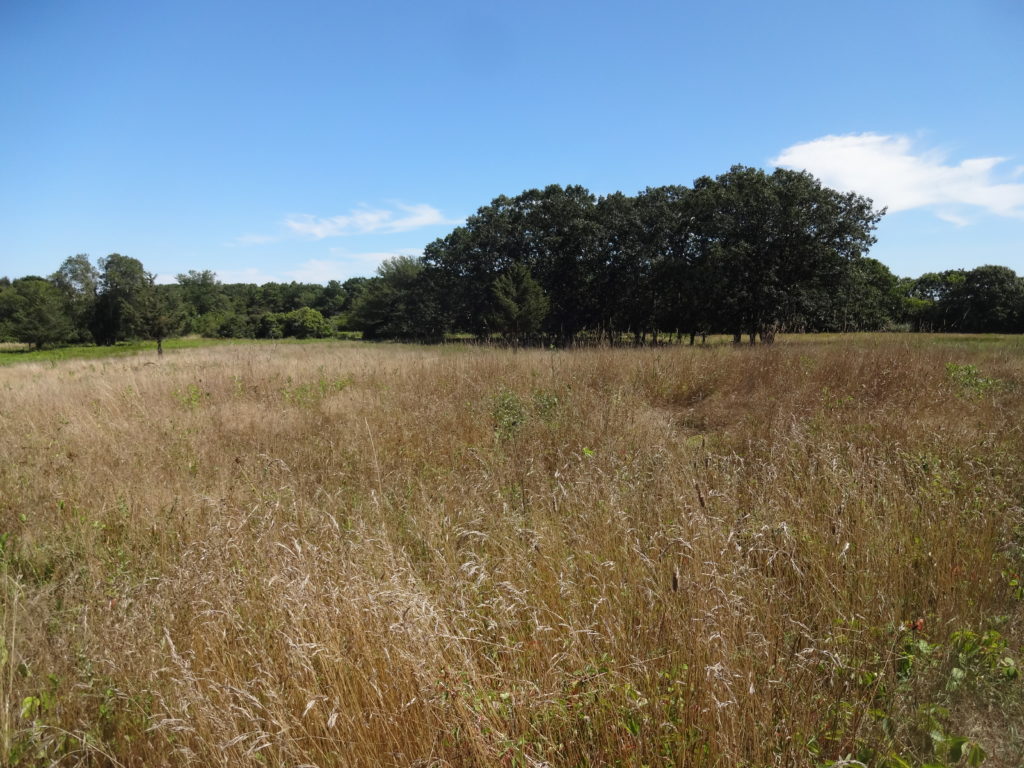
(11,353)
(342,555)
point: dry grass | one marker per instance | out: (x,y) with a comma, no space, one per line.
(335,555)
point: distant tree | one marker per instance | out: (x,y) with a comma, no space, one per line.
(161,313)
(936,300)
(991,300)
(621,286)
(305,323)
(465,263)
(39,314)
(78,281)
(865,296)
(331,301)
(123,287)
(776,236)
(561,236)
(7,309)
(202,292)
(683,289)
(553,231)
(353,288)
(270,325)
(236,326)
(520,305)
(296,295)
(401,302)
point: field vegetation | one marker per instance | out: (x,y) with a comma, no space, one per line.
(13,352)
(333,554)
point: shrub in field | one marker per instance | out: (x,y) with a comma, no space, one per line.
(969,379)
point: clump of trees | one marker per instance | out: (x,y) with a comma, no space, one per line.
(986,299)
(746,252)
(112,301)
(118,300)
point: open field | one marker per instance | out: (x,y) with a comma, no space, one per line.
(11,352)
(340,555)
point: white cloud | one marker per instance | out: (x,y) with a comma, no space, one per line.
(342,268)
(953,218)
(890,172)
(364,220)
(248,275)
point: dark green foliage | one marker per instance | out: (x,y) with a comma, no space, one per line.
(553,232)
(305,323)
(301,323)
(78,281)
(744,253)
(234,326)
(119,309)
(867,296)
(992,300)
(520,305)
(161,312)
(37,313)
(401,302)
(778,242)
(201,292)
(270,326)
(331,301)
(987,299)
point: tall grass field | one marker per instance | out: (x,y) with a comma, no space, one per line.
(349,555)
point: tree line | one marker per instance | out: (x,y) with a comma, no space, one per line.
(116,300)
(745,253)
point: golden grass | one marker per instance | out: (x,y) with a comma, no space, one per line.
(335,555)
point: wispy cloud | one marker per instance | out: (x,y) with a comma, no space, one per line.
(340,266)
(953,218)
(343,266)
(891,172)
(365,220)
(253,275)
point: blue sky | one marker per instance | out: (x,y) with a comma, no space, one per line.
(309,140)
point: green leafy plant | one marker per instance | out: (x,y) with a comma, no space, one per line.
(508,413)
(969,380)
(192,396)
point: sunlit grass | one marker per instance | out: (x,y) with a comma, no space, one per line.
(21,353)
(342,554)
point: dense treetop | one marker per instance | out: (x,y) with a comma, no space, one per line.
(747,252)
